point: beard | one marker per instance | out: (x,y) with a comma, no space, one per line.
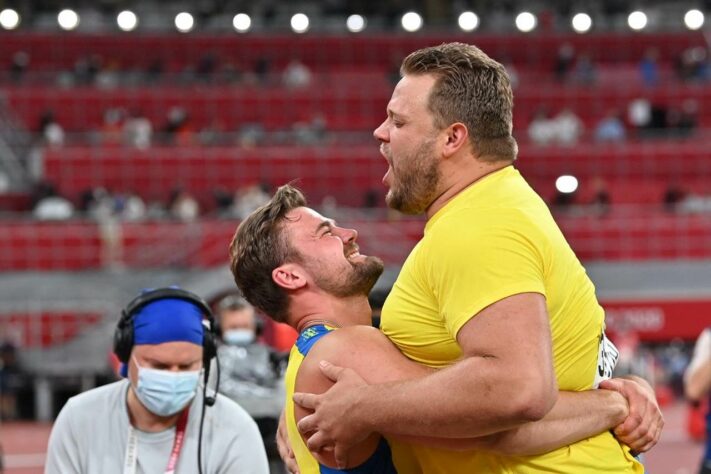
(415,182)
(358,282)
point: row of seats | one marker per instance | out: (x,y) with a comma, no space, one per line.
(344,109)
(325,52)
(56,246)
(633,173)
(47,328)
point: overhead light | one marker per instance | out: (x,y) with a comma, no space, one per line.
(184,22)
(637,20)
(526,22)
(9,19)
(68,19)
(411,21)
(468,21)
(300,23)
(242,22)
(694,19)
(355,23)
(127,20)
(582,22)
(566,184)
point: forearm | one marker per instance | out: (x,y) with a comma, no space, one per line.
(475,397)
(575,416)
(697,382)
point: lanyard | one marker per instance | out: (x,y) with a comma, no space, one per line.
(129,466)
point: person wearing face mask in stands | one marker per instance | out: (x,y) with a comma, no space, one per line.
(160,418)
(249,372)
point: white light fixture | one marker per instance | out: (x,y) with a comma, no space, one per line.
(582,22)
(566,184)
(242,22)
(127,20)
(411,21)
(694,19)
(68,19)
(184,22)
(526,22)
(300,23)
(355,23)
(637,20)
(9,19)
(468,21)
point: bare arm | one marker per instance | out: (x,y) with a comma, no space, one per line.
(505,379)
(697,379)
(369,353)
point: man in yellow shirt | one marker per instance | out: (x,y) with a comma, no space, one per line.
(492,293)
(304,270)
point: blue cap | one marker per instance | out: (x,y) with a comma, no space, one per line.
(168,320)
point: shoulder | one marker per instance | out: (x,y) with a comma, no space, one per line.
(345,341)
(229,413)
(98,399)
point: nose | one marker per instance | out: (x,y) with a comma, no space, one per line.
(348,236)
(380,133)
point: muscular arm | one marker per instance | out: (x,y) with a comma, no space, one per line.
(504,380)
(697,379)
(369,353)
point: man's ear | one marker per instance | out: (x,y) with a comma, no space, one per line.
(457,136)
(289,276)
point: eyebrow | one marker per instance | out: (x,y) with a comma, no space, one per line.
(153,361)
(329,223)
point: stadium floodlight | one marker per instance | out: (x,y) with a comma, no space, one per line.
(468,21)
(411,21)
(637,20)
(68,19)
(694,19)
(300,23)
(581,22)
(526,22)
(184,22)
(9,19)
(355,23)
(242,22)
(566,184)
(127,20)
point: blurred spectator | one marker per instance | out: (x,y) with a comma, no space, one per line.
(296,75)
(568,128)
(19,65)
(213,133)
(11,380)
(600,202)
(112,127)
(130,207)
(52,132)
(649,67)
(52,206)
(673,196)
(206,67)
(250,371)
(564,61)
(639,113)
(541,130)
(585,72)
(610,128)
(682,121)
(694,65)
(137,130)
(312,132)
(177,127)
(183,206)
(249,198)
(223,201)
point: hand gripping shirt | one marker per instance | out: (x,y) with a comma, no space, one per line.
(496,239)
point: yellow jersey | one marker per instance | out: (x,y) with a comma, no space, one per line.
(496,239)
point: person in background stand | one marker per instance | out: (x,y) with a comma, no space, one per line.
(249,370)
(158,419)
(697,386)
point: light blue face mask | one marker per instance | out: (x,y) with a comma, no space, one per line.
(238,337)
(164,392)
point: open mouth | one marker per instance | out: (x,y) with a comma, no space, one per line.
(352,254)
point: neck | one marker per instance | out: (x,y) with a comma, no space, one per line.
(456,178)
(144,420)
(332,311)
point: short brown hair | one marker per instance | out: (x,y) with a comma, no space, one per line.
(473,89)
(258,247)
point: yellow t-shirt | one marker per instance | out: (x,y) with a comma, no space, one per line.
(495,239)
